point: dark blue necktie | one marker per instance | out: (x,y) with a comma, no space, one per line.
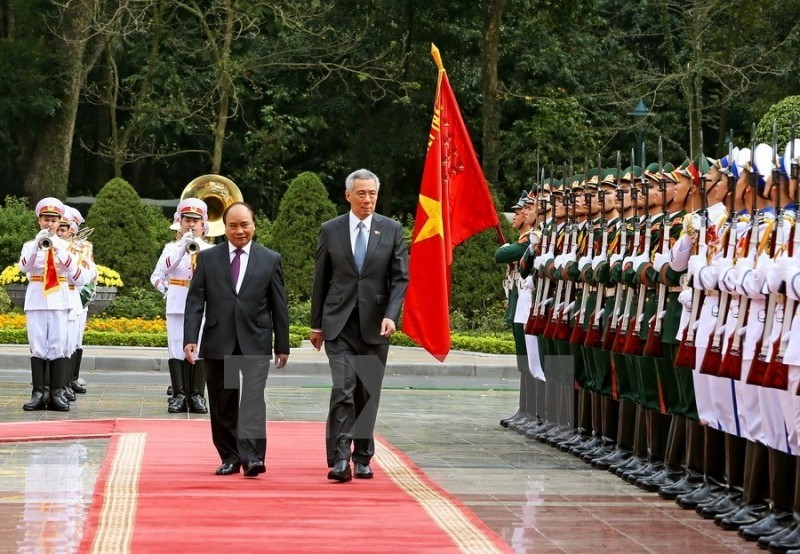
(361,246)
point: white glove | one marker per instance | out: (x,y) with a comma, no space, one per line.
(685,298)
(584,262)
(728,279)
(660,261)
(542,260)
(42,234)
(697,222)
(706,278)
(598,260)
(534,236)
(615,258)
(526,283)
(639,261)
(751,282)
(773,275)
(695,263)
(788,266)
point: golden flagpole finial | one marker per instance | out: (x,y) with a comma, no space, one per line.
(437,57)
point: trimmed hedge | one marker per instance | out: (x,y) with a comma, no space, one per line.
(100,338)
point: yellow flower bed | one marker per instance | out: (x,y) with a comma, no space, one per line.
(106,277)
(114,325)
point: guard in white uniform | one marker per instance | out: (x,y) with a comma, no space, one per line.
(85,252)
(50,268)
(172,275)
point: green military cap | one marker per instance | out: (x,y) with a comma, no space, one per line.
(651,171)
(577,181)
(521,201)
(556,186)
(608,177)
(532,195)
(631,173)
(593,177)
(668,172)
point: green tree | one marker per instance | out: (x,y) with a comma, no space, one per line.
(17,226)
(304,207)
(124,237)
(784,113)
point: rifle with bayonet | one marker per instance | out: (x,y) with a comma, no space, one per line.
(579,331)
(777,376)
(731,366)
(562,330)
(765,348)
(686,356)
(653,345)
(594,338)
(633,342)
(613,320)
(713,356)
(566,245)
(624,324)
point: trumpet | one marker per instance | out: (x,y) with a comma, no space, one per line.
(46,243)
(193,246)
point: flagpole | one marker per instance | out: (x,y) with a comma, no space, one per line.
(437,58)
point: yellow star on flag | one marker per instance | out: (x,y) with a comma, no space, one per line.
(433,226)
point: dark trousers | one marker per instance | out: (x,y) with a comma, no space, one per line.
(238,427)
(357,371)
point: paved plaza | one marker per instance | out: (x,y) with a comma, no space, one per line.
(445,417)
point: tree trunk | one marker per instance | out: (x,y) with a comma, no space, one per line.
(225,86)
(493,12)
(47,170)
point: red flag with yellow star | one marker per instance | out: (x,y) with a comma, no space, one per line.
(454,204)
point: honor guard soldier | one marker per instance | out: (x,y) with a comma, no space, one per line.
(84,250)
(511,254)
(51,269)
(176,266)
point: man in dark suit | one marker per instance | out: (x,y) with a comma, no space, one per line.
(239,286)
(360,280)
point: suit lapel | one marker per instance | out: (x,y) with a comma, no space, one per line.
(374,237)
(344,237)
(225,264)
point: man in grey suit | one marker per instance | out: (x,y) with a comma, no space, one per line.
(238,284)
(360,280)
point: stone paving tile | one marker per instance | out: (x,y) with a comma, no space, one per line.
(533,496)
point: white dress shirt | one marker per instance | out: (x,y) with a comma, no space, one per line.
(243,257)
(354,221)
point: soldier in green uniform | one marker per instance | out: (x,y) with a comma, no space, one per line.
(510,254)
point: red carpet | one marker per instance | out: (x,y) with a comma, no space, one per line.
(157,493)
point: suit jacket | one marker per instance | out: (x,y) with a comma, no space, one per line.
(378,289)
(252,316)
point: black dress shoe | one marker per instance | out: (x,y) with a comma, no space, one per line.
(197,404)
(746,515)
(774,522)
(77,387)
(251,469)
(363,471)
(341,471)
(228,469)
(69,394)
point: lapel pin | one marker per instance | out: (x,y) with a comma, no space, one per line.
(377,232)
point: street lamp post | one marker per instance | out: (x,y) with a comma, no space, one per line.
(639,112)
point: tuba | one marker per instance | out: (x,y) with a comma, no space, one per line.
(218,193)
